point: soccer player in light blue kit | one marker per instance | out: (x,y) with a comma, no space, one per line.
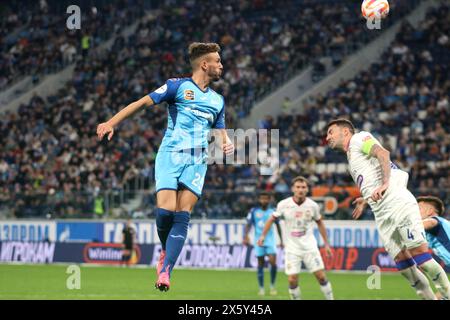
(437,228)
(194,109)
(257,217)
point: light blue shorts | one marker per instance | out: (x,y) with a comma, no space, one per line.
(265,251)
(180,170)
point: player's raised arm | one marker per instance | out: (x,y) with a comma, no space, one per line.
(266,229)
(375,150)
(108,127)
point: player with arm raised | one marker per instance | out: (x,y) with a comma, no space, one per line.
(257,217)
(299,212)
(180,167)
(384,187)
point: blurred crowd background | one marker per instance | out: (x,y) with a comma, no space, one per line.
(52,165)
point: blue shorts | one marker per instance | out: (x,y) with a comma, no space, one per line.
(265,251)
(179,170)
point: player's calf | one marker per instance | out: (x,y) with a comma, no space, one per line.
(294,289)
(435,272)
(325,285)
(416,279)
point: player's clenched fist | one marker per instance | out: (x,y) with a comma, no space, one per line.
(104,128)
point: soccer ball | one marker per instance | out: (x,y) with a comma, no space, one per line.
(375,9)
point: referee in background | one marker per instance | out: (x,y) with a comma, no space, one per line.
(128,239)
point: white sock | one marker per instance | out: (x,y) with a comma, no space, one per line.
(295,293)
(434,270)
(327,291)
(419,282)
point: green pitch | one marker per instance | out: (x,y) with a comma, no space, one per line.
(50,282)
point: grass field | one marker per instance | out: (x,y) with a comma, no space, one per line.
(49,282)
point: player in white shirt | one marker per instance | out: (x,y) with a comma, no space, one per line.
(299,213)
(384,187)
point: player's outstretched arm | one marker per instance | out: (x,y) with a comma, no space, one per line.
(267,227)
(384,159)
(108,127)
(323,233)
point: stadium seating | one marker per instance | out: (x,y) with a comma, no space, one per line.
(52,163)
(36,41)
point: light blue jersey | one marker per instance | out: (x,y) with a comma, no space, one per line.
(257,217)
(439,239)
(192,113)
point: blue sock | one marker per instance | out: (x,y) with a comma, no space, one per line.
(260,273)
(164,220)
(273,274)
(176,238)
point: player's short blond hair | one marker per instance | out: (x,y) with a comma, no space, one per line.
(199,49)
(301,179)
(437,203)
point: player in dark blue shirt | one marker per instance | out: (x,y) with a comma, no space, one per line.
(180,167)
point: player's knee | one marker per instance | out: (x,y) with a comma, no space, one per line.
(321,278)
(293,281)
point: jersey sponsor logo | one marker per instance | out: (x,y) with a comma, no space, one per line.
(367,138)
(161,89)
(189,94)
(205,115)
(297,234)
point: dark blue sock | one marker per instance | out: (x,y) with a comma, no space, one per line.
(164,220)
(176,238)
(260,273)
(273,274)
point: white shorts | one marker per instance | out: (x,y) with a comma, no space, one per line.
(401,225)
(312,260)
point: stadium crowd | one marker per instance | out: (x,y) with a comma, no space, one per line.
(52,162)
(36,41)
